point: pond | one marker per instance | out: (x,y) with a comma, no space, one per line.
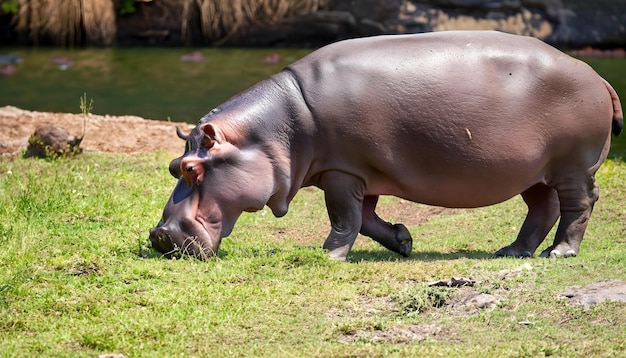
(157,84)
(151,83)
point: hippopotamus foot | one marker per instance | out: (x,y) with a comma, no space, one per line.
(569,235)
(543,212)
(393,237)
(576,207)
(404,240)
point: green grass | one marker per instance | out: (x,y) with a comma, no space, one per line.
(78,278)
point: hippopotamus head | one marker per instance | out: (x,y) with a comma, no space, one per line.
(219,176)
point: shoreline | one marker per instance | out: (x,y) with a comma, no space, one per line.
(103,133)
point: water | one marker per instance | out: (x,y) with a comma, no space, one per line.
(151,83)
(156,84)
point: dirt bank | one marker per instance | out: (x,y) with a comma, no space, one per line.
(113,134)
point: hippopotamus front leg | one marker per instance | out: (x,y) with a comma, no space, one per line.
(576,206)
(344,200)
(543,211)
(394,237)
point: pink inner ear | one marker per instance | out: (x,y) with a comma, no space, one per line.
(210,135)
(209,130)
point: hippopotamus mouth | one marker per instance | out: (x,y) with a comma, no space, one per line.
(182,230)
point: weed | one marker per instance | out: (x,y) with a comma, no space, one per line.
(85,109)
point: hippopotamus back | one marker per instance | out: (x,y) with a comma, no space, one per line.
(452,119)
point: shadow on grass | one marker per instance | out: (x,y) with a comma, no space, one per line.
(355,255)
(366,255)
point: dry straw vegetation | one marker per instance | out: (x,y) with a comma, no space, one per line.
(68,22)
(222,19)
(78,22)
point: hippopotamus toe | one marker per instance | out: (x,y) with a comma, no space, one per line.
(554,253)
(404,239)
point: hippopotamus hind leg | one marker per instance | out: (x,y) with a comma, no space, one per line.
(576,207)
(394,237)
(543,212)
(344,201)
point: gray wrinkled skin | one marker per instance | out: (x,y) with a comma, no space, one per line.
(454,119)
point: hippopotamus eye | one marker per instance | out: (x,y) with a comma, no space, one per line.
(189,169)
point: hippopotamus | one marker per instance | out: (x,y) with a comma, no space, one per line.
(451,119)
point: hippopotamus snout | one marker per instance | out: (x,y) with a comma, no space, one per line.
(161,240)
(171,240)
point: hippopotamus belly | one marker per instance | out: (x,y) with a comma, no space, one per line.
(455,119)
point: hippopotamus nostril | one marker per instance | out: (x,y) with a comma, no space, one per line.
(162,241)
(163,236)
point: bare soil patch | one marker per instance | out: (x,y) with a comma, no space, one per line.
(112,134)
(410,214)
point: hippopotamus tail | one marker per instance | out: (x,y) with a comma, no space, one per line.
(618,115)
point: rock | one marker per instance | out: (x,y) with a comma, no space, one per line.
(50,141)
(480,301)
(470,301)
(453,282)
(597,292)
(564,23)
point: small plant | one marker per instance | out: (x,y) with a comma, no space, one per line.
(85,110)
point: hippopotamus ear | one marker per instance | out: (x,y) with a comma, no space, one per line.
(212,135)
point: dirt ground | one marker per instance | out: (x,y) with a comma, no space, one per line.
(113,134)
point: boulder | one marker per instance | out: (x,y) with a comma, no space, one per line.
(563,23)
(50,141)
